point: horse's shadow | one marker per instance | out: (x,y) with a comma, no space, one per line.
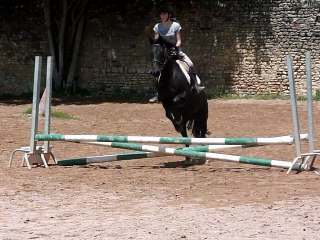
(184,163)
(176,164)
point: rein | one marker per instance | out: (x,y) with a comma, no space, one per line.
(164,53)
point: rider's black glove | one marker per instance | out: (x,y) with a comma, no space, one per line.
(178,50)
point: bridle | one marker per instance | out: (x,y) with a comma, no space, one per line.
(156,59)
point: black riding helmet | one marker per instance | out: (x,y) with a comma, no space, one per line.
(165,8)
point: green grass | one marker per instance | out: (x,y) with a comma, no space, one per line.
(230,96)
(317,95)
(28,111)
(60,115)
(54,114)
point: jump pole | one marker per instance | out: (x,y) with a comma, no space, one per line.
(134,155)
(108,158)
(170,140)
(201,148)
(206,155)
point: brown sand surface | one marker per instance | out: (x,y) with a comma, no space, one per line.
(157,198)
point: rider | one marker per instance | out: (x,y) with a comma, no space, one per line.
(169,30)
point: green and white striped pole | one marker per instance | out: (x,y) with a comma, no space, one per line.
(107,158)
(213,148)
(200,148)
(173,140)
(206,155)
(130,156)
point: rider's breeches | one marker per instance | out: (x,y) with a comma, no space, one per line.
(192,70)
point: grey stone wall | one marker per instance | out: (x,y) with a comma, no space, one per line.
(22,37)
(239,49)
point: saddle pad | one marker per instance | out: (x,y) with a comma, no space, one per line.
(185,69)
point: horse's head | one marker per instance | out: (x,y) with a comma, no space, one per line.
(157,55)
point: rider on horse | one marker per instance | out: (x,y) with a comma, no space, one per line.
(169,30)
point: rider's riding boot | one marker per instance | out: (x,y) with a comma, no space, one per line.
(194,83)
(154,99)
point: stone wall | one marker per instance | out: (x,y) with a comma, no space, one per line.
(239,48)
(22,37)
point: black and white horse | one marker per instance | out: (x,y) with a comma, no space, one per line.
(186,109)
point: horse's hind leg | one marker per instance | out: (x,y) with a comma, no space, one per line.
(190,161)
(184,133)
(199,131)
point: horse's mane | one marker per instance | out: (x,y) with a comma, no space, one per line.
(170,65)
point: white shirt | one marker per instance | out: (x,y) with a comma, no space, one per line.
(168,33)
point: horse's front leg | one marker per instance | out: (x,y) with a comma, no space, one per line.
(176,121)
(179,125)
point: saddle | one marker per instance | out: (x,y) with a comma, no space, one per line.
(182,64)
(185,69)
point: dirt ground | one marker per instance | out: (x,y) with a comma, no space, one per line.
(157,198)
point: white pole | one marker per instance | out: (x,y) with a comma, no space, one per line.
(48,102)
(294,109)
(310,103)
(35,102)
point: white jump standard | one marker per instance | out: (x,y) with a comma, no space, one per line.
(33,154)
